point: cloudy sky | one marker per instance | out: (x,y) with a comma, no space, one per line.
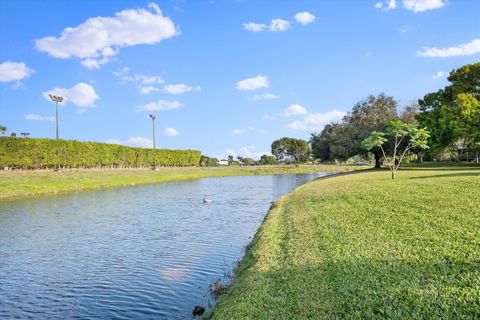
(224,77)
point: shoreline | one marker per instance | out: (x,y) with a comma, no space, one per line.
(28,184)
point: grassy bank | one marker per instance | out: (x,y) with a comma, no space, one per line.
(362,246)
(27,183)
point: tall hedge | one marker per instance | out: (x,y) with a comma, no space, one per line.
(28,153)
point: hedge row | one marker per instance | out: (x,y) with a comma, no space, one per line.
(27,153)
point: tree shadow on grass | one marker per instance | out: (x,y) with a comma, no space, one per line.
(449,175)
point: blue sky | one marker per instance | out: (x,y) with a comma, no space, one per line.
(221,76)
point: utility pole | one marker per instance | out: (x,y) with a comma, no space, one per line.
(57,100)
(154,157)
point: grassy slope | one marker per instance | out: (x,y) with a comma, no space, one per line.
(362,246)
(26,183)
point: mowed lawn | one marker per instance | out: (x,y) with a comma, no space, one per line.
(362,246)
(28,183)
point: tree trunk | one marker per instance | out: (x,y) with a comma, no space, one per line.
(393,174)
(378,159)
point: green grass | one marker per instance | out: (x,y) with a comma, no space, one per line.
(361,246)
(28,183)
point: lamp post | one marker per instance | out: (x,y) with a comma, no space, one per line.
(57,100)
(154,159)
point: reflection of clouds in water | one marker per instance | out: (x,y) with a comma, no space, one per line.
(175,273)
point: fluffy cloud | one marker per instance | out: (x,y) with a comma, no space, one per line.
(139,142)
(387,5)
(316,121)
(254,27)
(82,95)
(466,49)
(412,5)
(147,89)
(304,17)
(98,39)
(170,132)
(37,117)
(144,83)
(294,110)
(14,71)
(179,88)
(253,83)
(439,74)
(264,96)
(423,5)
(276,25)
(160,105)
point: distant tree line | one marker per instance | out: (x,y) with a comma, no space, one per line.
(27,153)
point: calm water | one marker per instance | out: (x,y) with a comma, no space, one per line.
(146,252)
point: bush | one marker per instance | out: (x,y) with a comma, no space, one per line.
(27,153)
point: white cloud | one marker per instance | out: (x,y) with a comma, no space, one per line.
(439,74)
(243,130)
(264,96)
(143,82)
(253,83)
(276,25)
(262,131)
(81,95)
(14,71)
(179,88)
(367,54)
(147,89)
(254,27)
(466,49)
(160,105)
(267,116)
(279,25)
(170,132)
(423,5)
(304,17)
(139,142)
(405,29)
(387,5)
(316,121)
(98,39)
(294,110)
(37,117)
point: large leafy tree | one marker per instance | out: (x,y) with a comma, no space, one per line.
(342,141)
(452,114)
(291,148)
(404,135)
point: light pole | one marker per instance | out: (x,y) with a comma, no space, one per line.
(57,100)
(154,159)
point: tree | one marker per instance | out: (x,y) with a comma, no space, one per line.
(3,129)
(13,135)
(413,137)
(339,142)
(24,134)
(371,114)
(246,161)
(267,160)
(230,160)
(291,148)
(452,114)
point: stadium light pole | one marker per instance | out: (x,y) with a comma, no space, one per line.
(57,100)
(154,158)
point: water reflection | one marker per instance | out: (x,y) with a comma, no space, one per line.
(145,252)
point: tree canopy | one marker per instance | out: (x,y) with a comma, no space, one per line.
(293,149)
